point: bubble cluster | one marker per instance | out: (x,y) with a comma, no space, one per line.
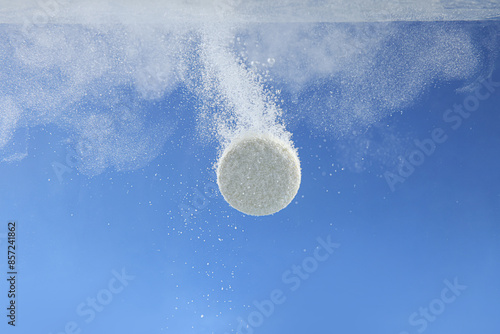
(335,77)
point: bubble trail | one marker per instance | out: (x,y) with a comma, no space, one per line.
(258,171)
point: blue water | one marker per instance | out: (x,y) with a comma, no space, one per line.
(120,226)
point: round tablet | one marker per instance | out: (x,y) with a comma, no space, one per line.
(259,174)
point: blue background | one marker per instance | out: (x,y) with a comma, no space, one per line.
(198,265)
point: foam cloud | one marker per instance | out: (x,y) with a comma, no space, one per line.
(93,80)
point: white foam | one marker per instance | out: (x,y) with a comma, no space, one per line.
(66,63)
(181,11)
